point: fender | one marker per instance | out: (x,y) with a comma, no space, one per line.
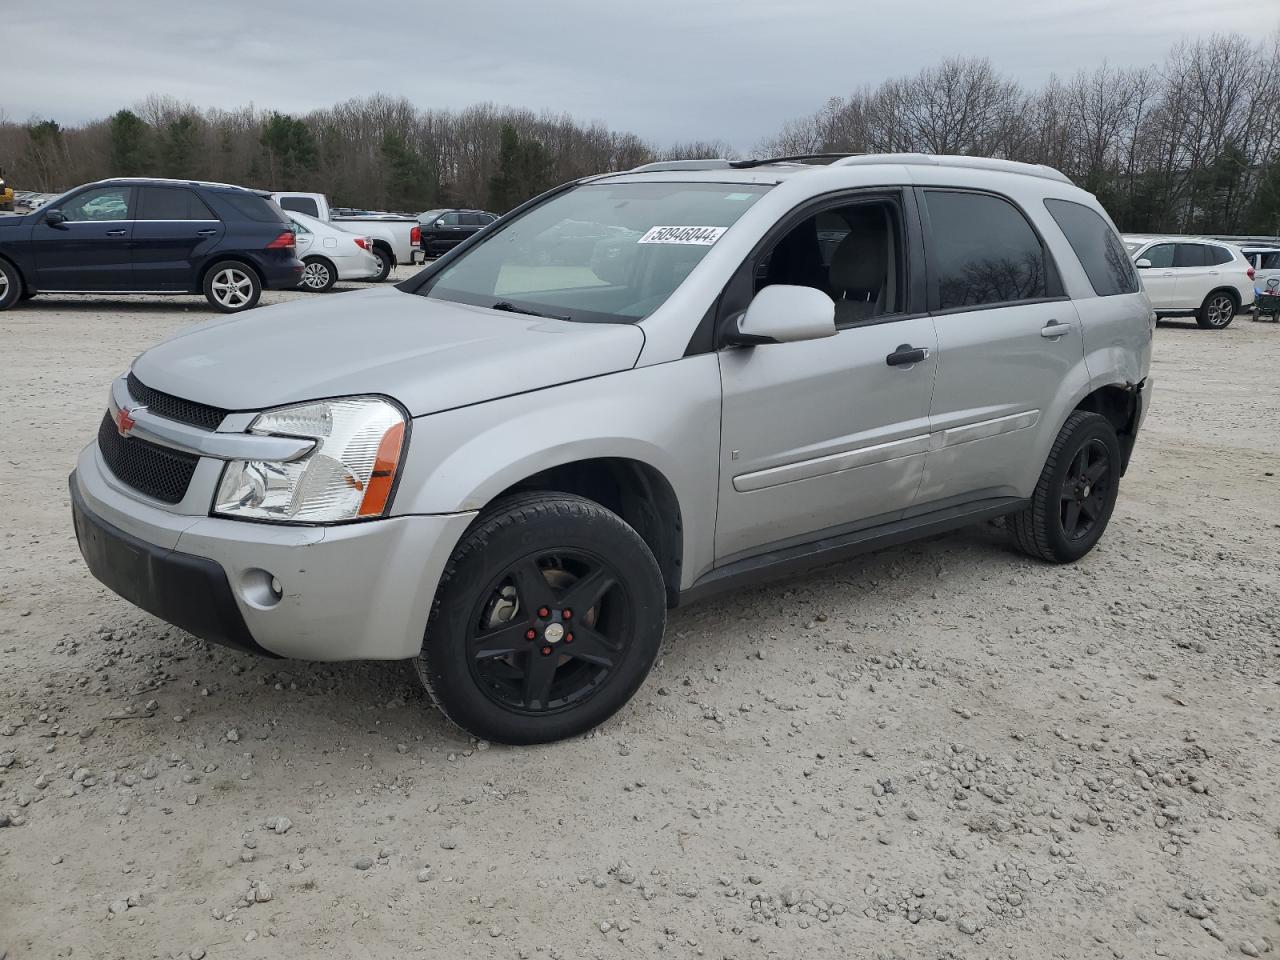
(666,416)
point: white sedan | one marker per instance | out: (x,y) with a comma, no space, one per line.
(330,254)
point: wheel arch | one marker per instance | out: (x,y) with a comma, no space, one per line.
(229,258)
(1119,403)
(636,491)
(327,261)
(22,276)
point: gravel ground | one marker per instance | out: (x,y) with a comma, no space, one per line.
(943,750)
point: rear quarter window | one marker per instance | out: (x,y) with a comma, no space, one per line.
(1100,252)
(305,205)
(253,207)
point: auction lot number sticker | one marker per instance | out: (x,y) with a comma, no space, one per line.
(697,236)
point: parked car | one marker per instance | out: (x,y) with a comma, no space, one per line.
(329,254)
(395,239)
(144,235)
(1265,261)
(508,471)
(445,229)
(1189,276)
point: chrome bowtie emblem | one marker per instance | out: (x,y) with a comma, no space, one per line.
(554,633)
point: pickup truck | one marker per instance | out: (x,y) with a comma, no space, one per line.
(395,239)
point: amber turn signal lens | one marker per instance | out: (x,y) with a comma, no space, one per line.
(377,492)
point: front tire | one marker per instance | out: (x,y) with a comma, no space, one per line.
(231,286)
(1217,311)
(318,275)
(11,288)
(547,620)
(1076,493)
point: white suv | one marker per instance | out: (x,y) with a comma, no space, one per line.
(1186,276)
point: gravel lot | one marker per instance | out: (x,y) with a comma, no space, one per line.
(943,750)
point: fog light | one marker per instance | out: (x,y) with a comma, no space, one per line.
(260,588)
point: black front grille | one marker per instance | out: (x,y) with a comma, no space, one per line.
(156,471)
(175,408)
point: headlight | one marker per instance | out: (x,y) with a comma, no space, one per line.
(348,475)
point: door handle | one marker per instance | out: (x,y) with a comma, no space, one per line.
(1053,330)
(906,355)
(211,232)
(116,233)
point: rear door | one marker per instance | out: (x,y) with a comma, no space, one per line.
(1195,273)
(1159,280)
(1007,339)
(90,250)
(173,234)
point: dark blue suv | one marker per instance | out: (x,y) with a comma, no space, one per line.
(151,236)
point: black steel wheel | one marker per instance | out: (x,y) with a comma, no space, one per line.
(547,620)
(1076,493)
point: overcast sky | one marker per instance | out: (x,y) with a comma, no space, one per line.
(732,70)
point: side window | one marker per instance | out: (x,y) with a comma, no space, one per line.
(299,226)
(1161,255)
(853,253)
(451,219)
(102,203)
(305,205)
(1191,255)
(470,220)
(486,219)
(1219,255)
(1096,246)
(171,203)
(984,251)
(1269,261)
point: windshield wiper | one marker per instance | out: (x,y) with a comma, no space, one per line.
(510,307)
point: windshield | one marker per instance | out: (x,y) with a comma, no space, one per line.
(598,253)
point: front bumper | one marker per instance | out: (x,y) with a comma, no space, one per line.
(359,591)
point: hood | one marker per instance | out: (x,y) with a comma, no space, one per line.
(431,355)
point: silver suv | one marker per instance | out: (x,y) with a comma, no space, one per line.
(509,466)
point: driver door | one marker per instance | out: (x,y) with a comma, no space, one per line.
(827,436)
(90,250)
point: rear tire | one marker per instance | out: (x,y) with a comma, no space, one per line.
(1076,493)
(576,577)
(232,286)
(385,264)
(318,275)
(1217,311)
(11,288)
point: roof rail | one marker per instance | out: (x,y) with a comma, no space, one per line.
(796,158)
(949,160)
(793,158)
(682,165)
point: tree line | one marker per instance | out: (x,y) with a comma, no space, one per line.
(1189,145)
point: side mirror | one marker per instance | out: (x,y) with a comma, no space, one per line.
(55,218)
(1143,264)
(784,314)
(439,223)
